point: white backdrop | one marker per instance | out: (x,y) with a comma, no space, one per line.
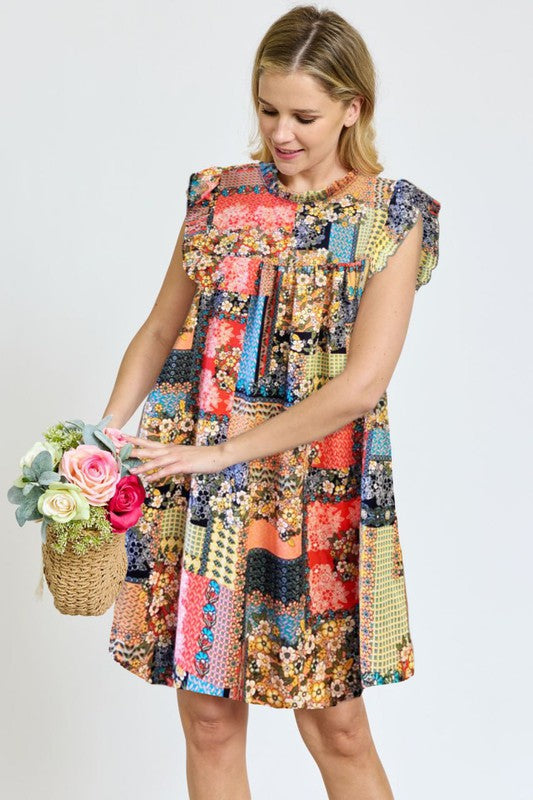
(107,108)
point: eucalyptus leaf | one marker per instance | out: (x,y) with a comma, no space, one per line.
(49,477)
(105,440)
(30,498)
(15,494)
(20,516)
(30,501)
(77,423)
(42,461)
(28,488)
(43,531)
(34,514)
(26,512)
(29,473)
(125,450)
(88,434)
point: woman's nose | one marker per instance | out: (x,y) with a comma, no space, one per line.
(281,129)
(282,135)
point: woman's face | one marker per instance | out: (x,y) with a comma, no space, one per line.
(296,115)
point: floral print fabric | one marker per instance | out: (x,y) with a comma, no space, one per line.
(277,581)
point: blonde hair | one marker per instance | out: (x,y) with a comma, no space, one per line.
(324,45)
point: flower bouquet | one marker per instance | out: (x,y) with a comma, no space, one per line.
(77,483)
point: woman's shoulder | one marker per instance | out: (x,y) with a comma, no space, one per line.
(204,180)
(400,202)
(403,193)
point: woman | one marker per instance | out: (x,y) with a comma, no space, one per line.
(267,567)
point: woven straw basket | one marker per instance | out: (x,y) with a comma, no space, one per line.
(88,584)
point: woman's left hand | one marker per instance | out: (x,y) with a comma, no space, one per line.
(171,459)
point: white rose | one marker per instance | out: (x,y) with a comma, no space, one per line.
(53,448)
(63,502)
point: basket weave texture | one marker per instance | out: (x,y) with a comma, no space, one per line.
(86,585)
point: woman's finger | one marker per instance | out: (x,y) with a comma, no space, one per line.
(160,461)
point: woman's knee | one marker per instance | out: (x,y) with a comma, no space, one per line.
(211,722)
(341,730)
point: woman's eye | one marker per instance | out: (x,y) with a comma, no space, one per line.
(300,119)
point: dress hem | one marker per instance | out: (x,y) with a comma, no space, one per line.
(368,680)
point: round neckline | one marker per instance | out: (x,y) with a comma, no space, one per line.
(274,184)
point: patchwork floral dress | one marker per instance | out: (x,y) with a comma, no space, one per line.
(277,581)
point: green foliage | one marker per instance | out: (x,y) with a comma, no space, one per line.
(27,505)
(82,534)
(94,434)
(65,436)
(41,472)
(36,478)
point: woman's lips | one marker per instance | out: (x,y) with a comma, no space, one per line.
(292,154)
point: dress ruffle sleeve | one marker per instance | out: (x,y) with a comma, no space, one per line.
(406,203)
(200,237)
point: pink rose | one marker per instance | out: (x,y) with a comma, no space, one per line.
(117,437)
(125,506)
(94,470)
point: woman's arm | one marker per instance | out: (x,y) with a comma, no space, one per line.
(147,351)
(376,342)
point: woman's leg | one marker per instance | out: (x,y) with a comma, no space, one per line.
(340,741)
(215,736)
